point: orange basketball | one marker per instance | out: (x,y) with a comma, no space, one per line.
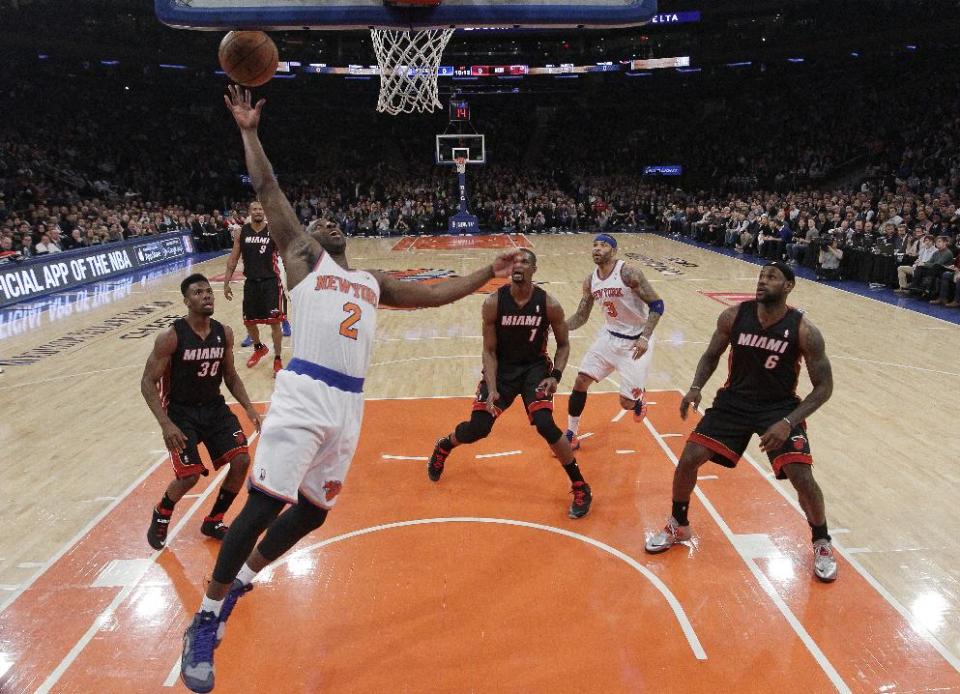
(248,57)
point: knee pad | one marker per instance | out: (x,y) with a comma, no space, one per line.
(477,428)
(546,427)
(292,525)
(578,400)
(259,511)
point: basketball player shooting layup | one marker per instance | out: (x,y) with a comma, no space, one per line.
(181,384)
(263,299)
(767,338)
(310,436)
(631,311)
(517,319)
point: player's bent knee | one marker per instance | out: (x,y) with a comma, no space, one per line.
(583,382)
(693,456)
(546,427)
(479,427)
(240,463)
(800,474)
(294,524)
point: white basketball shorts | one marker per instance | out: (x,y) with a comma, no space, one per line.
(308,440)
(608,354)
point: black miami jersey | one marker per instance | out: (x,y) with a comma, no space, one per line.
(764,363)
(521,331)
(196,367)
(259,254)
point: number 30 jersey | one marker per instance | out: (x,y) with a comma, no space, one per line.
(623,311)
(196,367)
(334,317)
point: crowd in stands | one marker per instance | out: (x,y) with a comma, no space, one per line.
(77,171)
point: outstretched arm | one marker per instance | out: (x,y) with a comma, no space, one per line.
(814,352)
(297,249)
(582,313)
(711,357)
(394,292)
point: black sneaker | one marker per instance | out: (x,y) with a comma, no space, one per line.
(435,466)
(157,533)
(213,527)
(582,499)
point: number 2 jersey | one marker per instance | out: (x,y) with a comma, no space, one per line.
(764,363)
(196,367)
(334,317)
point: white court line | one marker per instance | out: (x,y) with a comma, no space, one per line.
(66,376)
(385,456)
(896,364)
(619,415)
(103,619)
(9,586)
(707,477)
(80,535)
(625,451)
(434,358)
(761,578)
(672,436)
(497,455)
(671,599)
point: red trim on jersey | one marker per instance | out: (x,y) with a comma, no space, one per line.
(713,445)
(538,405)
(786,458)
(281,313)
(181,471)
(229,456)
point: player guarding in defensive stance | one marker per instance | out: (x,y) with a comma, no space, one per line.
(181,384)
(517,319)
(311,434)
(263,299)
(631,310)
(767,338)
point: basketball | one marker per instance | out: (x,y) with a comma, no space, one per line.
(248,57)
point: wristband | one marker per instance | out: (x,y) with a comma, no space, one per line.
(789,423)
(556,374)
(644,337)
(694,387)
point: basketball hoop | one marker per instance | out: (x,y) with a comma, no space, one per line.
(461,163)
(409,59)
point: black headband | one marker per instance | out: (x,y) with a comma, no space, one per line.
(785,269)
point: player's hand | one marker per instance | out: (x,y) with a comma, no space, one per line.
(547,387)
(640,347)
(238,101)
(173,438)
(503,263)
(228,292)
(692,397)
(492,399)
(774,437)
(254,417)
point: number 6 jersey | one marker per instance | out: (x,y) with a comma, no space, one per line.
(334,317)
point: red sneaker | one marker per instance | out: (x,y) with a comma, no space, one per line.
(257,355)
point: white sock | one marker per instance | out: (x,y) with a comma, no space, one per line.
(246,575)
(211,605)
(573,424)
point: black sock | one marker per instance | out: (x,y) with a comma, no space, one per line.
(166,504)
(819,532)
(578,400)
(573,472)
(679,512)
(224,499)
(259,345)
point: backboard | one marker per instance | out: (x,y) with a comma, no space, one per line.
(449,146)
(365,14)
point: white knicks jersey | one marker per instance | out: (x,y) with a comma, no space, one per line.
(334,317)
(623,310)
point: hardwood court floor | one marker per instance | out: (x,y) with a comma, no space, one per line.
(462,605)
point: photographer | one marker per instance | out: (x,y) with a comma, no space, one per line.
(829,261)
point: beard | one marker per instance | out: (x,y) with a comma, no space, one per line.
(334,246)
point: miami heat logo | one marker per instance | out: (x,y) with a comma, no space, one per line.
(239,438)
(798,442)
(332,488)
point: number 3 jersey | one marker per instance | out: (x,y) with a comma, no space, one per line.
(623,311)
(196,367)
(334,317)
(764,362)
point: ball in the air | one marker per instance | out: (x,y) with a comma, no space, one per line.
(249,57)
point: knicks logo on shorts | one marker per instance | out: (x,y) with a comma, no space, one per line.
(332,488)
(798,442)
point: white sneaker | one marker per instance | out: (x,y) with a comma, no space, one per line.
(673,533)
(824,563)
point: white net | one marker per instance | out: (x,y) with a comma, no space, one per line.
(408,68)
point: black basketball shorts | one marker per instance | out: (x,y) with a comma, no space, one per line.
(264,301)
(216,427)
